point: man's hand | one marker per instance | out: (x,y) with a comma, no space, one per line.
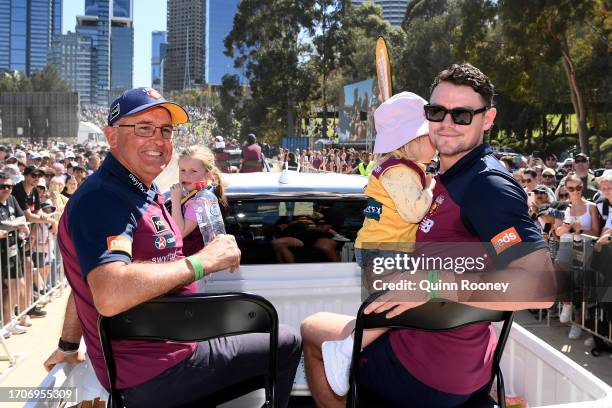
(389,302)
(59,356)
(222,253)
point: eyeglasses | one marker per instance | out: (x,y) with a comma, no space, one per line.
(147,130)
(6,186)
(548,176)
(460,116)
(36,176)
(572,189)
(563,195)
(580,160)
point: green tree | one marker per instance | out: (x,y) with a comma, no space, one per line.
(48,80)
(546,25)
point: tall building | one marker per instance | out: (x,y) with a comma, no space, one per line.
(71,54)
(158,53)
(394,11)
(185,54)
(219,23)
(26,30)
(110,27)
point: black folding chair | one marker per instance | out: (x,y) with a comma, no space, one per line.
(435,315)
(194,317)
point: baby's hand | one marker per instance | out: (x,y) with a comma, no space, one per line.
(430,182)
(176,192)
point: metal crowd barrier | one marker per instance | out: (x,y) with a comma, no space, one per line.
(591,277)
(32,273)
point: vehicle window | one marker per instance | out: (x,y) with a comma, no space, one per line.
(289,231)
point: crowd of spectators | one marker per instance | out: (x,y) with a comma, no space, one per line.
(568,201)
(36,182)
(334,160)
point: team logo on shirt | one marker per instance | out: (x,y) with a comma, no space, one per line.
(165,241)
(505,240)
(119,243)
(373,210)
(158,224)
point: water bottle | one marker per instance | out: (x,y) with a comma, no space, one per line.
(208,214)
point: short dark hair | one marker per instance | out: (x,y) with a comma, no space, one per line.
(551,156)
(467,74)
(531,172)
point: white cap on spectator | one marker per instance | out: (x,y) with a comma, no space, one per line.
(69,155)
(44,154)
(20,154)
(548,170)
(567,161)
(54,149)
(34,156)
(41,182)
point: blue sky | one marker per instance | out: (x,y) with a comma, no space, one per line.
(149,15)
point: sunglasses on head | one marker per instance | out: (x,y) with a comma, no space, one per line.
(460,116)
(6,186)
(572,189)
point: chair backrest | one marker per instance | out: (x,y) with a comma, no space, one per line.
(193,317)
(435,315)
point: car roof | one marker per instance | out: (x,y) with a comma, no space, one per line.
(291,182)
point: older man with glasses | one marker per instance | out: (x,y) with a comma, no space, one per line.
(109,239)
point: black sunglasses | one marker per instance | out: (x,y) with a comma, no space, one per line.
(6,186)
(580,161)
(461,116)
(563,195)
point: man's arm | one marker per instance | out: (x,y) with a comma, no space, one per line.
(71,332)
(531,285)
(117,287)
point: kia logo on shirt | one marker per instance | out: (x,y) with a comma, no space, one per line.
(158,224)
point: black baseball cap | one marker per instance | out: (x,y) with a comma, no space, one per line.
(137,100)
(32,170)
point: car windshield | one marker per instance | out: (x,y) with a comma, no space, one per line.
(281,231)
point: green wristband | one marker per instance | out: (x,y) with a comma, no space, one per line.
(432,277)
(194,260)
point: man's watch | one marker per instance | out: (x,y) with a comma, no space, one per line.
(67,346)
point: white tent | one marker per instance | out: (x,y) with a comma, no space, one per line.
(90,133)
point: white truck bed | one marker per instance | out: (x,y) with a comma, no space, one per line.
(532,369)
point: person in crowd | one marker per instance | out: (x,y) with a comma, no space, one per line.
(291,163)
(582,170)
(604,204)
(93,163)
(80,173)
(365,167)
(444,369)
(197,199)
(251,155)
(4,151)
(608,164)
(71,186)
(11,217)
(580,218)
(114,261)
(399,194)
(222,158)
(317,160)
(549,178)
(530,181)
(58,169)
(551,161)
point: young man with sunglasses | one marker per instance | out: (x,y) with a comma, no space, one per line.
(478,206)
(114,261)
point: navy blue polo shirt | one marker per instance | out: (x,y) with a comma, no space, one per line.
(114,217)
(477,209)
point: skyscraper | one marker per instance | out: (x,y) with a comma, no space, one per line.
(26,30)
(185,54)
(110,28)
(220,19)
(393,10)
(158,53)
(71,54)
